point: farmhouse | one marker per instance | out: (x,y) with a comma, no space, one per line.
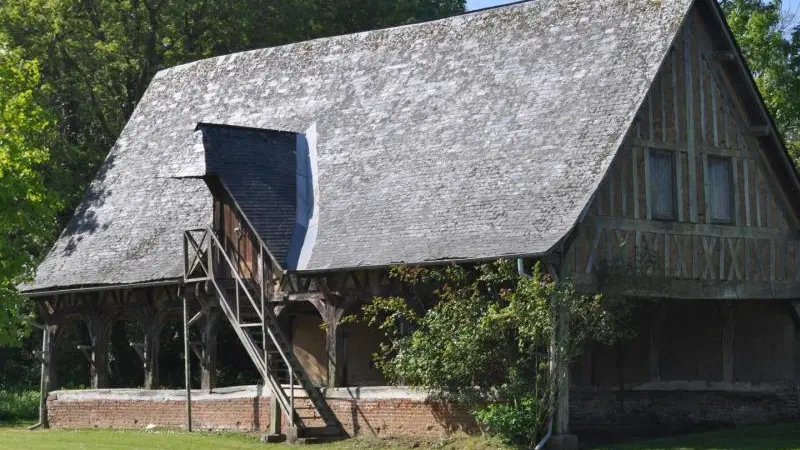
(621,143)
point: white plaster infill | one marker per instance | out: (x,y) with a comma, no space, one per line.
(369,393)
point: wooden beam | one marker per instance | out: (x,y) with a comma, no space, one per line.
(690,229)
(687,289)
(724,55)
(690,127)
(760,130)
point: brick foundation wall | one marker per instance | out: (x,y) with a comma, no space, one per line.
(388,412)
(680,406)
(377,411)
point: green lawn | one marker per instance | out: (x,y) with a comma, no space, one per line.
(20,438)
(775,437)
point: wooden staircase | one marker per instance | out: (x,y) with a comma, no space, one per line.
(245,303)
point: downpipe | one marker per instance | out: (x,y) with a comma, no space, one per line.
(540,445)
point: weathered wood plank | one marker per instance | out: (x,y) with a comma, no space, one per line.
(706,189)
(690,126)
(675,109)
(714,114)
(679,185)
(757,183)
(592,260)
(746,168)
(735,248)
(624,161)
(709,243)
(701,72)
(772,258)
(681,271)
(635,181)
(735,186)
(681,147)
(648,202)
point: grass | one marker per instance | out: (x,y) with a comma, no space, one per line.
(20,438)
(774,437)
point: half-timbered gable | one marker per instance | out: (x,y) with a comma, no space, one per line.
(690,195)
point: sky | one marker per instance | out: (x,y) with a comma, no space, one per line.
(788,5)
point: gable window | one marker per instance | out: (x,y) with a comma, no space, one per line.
(662,185)
(720,189)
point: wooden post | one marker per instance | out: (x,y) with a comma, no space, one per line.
(150,317)
(187,364)
(49,362)
(152,344)
(99,325)
(334,346)
(208,353)
(47,380)
(334,340)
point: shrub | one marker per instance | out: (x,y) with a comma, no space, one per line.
(515,422)
(486,334)
(17,406)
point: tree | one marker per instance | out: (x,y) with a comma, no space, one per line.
(100,55)
(28,207)
(488,333)
(770,42)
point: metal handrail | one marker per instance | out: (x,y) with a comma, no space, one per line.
(214,243)
(237,277)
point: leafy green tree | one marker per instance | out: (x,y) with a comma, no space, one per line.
(28,208)
(97,57)
(487,333)
(100,55)
(771,46)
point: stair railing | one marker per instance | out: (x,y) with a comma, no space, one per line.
(204,259)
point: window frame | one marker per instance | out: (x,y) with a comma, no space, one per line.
(653,188)
(728,161)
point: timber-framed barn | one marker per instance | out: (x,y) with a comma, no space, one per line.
(270,190)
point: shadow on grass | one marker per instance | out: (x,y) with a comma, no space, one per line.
(21,424)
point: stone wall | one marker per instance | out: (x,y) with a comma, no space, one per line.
(661,408)
(378,411)
(671,376)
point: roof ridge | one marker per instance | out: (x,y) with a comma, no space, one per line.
(489,9)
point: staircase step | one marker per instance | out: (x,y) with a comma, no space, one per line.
(250,325)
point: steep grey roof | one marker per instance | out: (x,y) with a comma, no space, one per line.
(258,168)
(476,136)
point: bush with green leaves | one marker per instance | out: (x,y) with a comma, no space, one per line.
(484,335)
(19,406)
